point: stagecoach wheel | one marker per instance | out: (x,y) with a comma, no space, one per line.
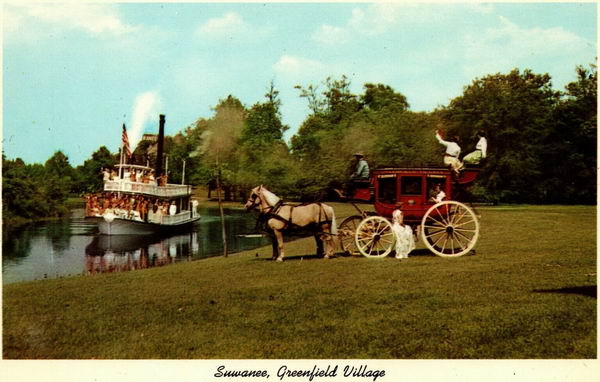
(375,237)
(450,229)
(346,232)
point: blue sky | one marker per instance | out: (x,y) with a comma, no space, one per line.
(73,73)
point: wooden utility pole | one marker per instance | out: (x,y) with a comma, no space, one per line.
(221,206)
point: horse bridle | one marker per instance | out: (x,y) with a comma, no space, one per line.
(252,200)
(254,196)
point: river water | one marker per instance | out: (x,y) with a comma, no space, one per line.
(72,246)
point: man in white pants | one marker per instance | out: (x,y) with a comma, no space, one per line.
(480,150)
(452,153)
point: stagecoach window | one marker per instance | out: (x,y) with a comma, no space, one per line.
(411,185)
(387,190)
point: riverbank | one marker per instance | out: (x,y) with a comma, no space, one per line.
(530,292)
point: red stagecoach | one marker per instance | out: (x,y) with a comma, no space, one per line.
(448,228)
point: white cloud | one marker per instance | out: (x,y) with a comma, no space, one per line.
(330,35)
(230,26)
(297,67)
(377,19)
(509,46)
(33,19)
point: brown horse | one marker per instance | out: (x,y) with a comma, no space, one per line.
(319,218)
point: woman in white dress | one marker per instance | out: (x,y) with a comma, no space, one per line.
(405,241)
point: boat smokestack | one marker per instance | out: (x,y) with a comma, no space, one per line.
(159,151)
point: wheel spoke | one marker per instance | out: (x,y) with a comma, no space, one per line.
(384,237)
(433,226)
(380,231)
(441,216)
(367,242)
(465,223)
(465,230)
(364,234)
(457,218)
(438,240)
(444,246)
(433,232)
(449,214)
(462,245)
(464,236)
(437,221)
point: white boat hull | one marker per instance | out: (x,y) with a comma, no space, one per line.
(130,227)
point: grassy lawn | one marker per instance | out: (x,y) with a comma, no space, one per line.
(529,292)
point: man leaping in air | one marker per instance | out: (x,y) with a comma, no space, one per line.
(452,153)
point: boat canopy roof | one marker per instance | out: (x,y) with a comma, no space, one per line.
(136,166)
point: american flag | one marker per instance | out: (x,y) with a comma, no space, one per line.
(125,143)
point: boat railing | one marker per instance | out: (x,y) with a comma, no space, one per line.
(175,219)
(168,191)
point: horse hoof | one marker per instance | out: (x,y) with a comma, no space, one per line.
(280,260)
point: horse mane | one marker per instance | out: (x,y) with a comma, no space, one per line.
(270,197)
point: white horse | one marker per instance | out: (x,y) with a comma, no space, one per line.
(316,217)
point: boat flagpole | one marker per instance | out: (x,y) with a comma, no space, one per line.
(183,173)
(121,161)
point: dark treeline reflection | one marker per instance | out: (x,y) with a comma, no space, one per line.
(72,246)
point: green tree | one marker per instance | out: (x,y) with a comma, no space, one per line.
(31,191)
(515,111)
(263,126)
(219,141)
(88,177)
(58,165)
(57,183)
(571,159)
(380,97)
(263,154)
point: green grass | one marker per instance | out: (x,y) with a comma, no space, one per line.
(528,293)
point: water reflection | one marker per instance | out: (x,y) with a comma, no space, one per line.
(72,246)
(128,253)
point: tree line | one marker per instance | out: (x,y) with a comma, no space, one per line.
(542,143)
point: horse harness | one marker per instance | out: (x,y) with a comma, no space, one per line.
(272,213)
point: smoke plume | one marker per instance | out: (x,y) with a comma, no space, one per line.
(146,109)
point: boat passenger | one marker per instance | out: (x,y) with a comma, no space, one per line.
(151,215)
(158,213)
(194,207)
(172,208)
(151,179)
(135,215)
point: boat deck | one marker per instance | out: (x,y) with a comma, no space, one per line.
(168,191)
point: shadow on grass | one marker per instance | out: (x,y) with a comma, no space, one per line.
(293,258)
(589,290)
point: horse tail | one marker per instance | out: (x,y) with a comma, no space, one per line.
(333,223)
